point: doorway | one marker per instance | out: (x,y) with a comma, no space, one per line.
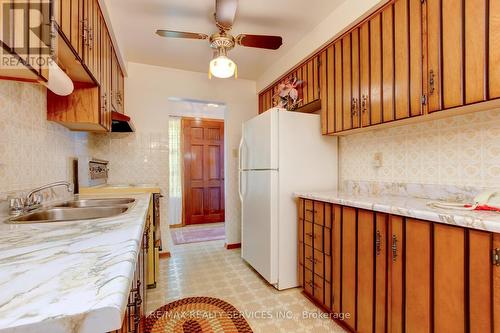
(203,170)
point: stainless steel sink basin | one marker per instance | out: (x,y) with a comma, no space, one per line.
(68,214)
(97,202)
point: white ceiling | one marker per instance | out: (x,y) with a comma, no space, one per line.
(137,20)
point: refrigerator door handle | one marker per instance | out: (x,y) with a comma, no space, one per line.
(240,152)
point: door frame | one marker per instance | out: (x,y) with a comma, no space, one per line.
(183,178)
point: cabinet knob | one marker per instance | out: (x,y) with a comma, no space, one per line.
(431,82)
(394,248)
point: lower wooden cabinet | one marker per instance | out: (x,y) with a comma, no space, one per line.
(387,273)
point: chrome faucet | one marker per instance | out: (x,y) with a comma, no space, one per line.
(34,199)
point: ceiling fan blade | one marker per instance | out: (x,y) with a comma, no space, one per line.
(260,41)
(180,34)
(225,13)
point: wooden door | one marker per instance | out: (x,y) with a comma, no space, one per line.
(339,87)
(349,267)
(366,271)
(355,101)
(388,63)
(330,81)
(417,284)
(401,64)
(347,83)
(375,70)
(396,275)
(203,146)
(449,279)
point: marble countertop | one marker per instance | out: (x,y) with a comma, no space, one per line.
(71,276)
(410,207)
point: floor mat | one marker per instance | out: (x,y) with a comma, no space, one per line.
(198,234)
(197,314)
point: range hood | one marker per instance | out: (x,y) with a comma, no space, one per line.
(121,123)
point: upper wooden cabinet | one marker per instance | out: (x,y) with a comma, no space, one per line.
(408,59)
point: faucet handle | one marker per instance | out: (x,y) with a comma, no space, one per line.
(16,206)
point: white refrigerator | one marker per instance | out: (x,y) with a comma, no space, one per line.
(280,153)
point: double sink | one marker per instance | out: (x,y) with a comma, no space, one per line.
(79,209)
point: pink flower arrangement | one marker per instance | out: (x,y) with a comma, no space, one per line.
(287,96)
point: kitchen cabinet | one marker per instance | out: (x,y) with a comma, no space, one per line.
(397,274)
(116,84)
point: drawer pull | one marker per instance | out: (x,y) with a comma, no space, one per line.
(313,260)
(378,241)
(309,234)
(394,248)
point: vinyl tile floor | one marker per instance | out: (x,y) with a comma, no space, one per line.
(208,269)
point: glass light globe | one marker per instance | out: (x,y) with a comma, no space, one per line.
(222,67)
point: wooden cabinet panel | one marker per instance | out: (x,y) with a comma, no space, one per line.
(434,93)
(381,242)
(339,90)
(318,237)
(337,258)
(310,82)
(449,279)
(475,50)
(309,257)
(319,263)
(452,53)
(77,26)
(347,105)
(375,70)
(401,68)
(308,282)
(364,72)
(319,213)
(396,285)
(418,276)
(308,233)
(494,49)
(480,281)
(309,210)
(315,69)
(349,265)
(366,271)
(416,57)
(331,88)
(324,92)
(388,63)
(356,120)
(318,286)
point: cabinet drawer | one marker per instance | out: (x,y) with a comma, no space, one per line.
(328,295)
(300,251)
(318,288)
(319,213)
(308,257)
(318,237)
(328,218)
(308,281)
(308,233)
(300,272)
(328,268)
(309,210)
(319,265)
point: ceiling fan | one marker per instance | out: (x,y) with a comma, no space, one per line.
(225,13)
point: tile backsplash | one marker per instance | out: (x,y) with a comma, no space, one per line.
(462,150)
(33,151)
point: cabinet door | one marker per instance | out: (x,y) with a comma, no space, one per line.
(375,70)
(434,66)
(401,65)
(381,242)
(388,63)
(449,279)
(324,92)
(114,82)
(355,99)
(364,72)
(418,276)
(339,87)
(337,258)
(349,265)
(347,105)
(77,26)
(331,88)
(475,30)
(396,285)
(494,49)
(415,53)
(366,270)
(480,281)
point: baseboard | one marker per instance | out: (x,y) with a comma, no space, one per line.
(164,255)
(232,246)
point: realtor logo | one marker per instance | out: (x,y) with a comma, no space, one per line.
(25,33)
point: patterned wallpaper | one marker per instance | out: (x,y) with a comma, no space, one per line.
(136,158)
(462,150)
(33,151)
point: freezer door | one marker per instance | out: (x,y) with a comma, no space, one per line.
(259,243)
(259,145)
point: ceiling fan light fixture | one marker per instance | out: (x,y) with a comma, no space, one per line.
(223,67)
